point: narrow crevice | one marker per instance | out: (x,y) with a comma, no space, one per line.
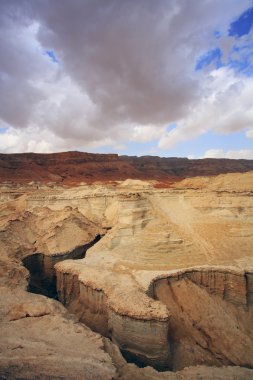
(141,361)
(121,357)
(42,279)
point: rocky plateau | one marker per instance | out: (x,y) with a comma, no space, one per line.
(116,267)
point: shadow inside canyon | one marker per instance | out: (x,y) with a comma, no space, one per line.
(42,278)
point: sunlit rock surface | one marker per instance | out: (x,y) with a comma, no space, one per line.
(169,283)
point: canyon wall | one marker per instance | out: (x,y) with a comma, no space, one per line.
(211,314)
(170,282)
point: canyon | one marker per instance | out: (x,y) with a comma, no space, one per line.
(116,267)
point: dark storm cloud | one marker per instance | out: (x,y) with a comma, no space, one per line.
(121,64)
(121,53)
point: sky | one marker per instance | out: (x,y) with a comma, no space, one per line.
(164,77)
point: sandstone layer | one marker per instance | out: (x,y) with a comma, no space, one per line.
(164,274)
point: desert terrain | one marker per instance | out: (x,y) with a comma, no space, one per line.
(116,267)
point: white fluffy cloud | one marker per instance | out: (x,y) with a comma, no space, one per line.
(125,71)
(220,153)
(30,140)
(225,105)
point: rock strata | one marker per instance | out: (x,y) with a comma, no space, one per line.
(169,284)
(77,167)
(210,316)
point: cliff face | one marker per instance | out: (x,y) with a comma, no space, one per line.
(211,311)
(77,167)
(138,325)
(170,282)
(207,319)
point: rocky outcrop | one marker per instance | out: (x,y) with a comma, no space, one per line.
(40,340)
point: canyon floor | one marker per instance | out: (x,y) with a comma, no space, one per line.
(127,279)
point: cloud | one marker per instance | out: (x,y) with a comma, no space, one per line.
(249,133)
(220,153)
(225,106)
(85,73)
(31,140)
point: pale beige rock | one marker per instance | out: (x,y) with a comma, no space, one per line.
(171,282)
(126,371)
(164,231)
(40,340)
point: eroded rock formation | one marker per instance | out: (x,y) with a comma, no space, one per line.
(169,285)
(156,231)
(211,314)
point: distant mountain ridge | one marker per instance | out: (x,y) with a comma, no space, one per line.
(76,167)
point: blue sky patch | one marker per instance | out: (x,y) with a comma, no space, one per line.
(217,34)
(240,56)
(51,54)
(3,130)
(240,59)
(197,146)
(209,140)
(242,66)
(242,25)
(212,56)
